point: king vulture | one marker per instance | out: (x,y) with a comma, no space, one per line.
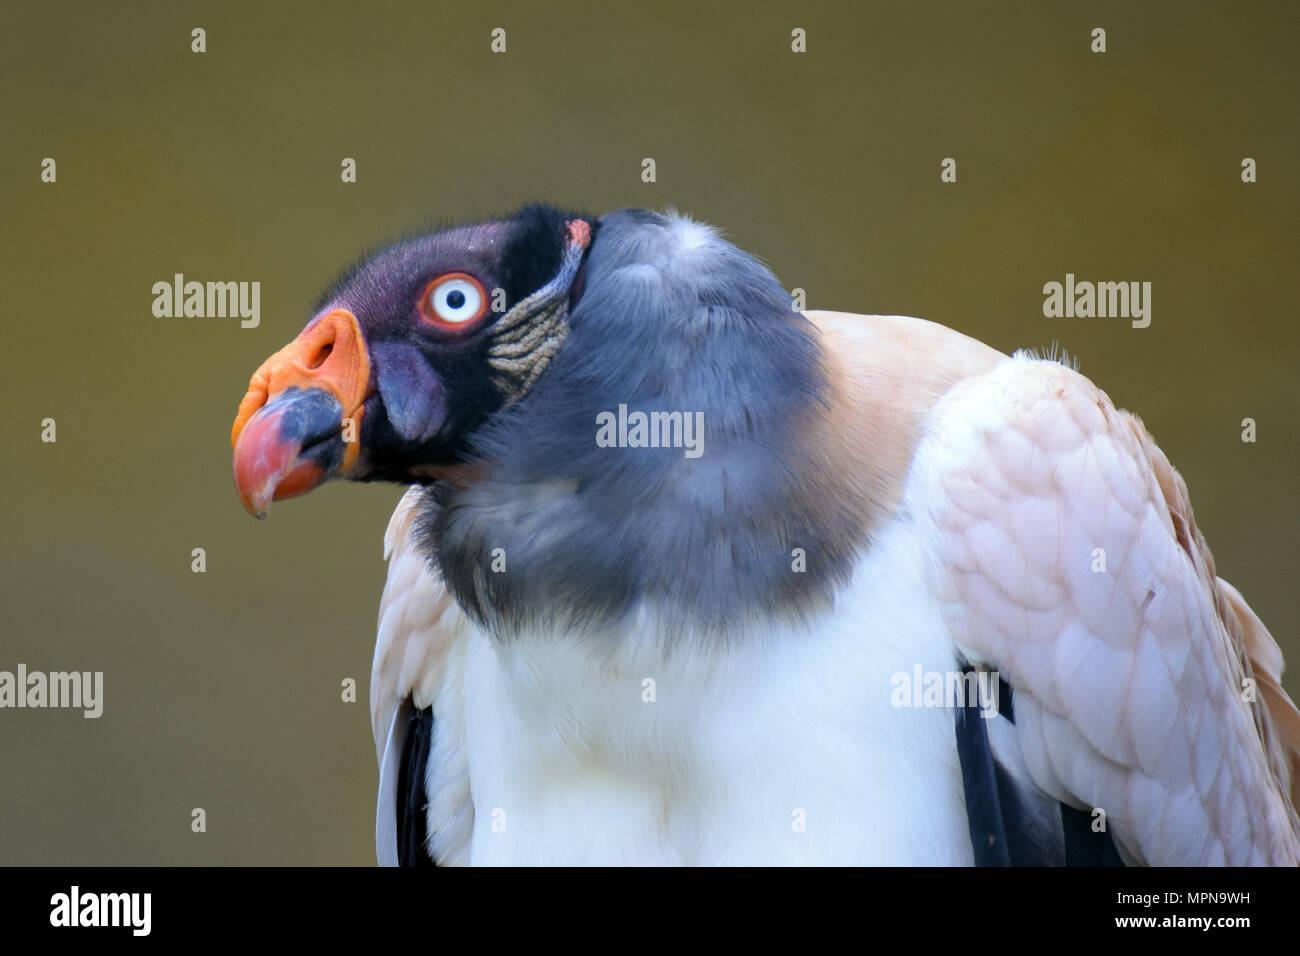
(686,576)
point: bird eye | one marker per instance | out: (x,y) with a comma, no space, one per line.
(452,301)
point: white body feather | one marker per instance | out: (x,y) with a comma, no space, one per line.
(785,746)
(783,749)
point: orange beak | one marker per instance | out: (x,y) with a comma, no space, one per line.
(300,422)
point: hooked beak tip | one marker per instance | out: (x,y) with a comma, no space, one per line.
(269,463)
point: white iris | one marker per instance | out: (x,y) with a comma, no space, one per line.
(456,300)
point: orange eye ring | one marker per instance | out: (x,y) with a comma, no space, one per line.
(454,301)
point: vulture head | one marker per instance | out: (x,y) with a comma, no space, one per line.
(408,354)
(483,359)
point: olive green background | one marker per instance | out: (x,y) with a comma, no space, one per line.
(222,690)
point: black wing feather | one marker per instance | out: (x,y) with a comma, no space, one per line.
(412,791)
(1012,822)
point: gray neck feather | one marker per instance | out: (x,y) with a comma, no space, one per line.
(672,319)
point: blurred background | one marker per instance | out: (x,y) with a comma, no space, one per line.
(222,689)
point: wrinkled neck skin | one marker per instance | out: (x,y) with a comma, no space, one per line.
(672,319)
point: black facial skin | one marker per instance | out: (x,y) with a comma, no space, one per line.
(519,255)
